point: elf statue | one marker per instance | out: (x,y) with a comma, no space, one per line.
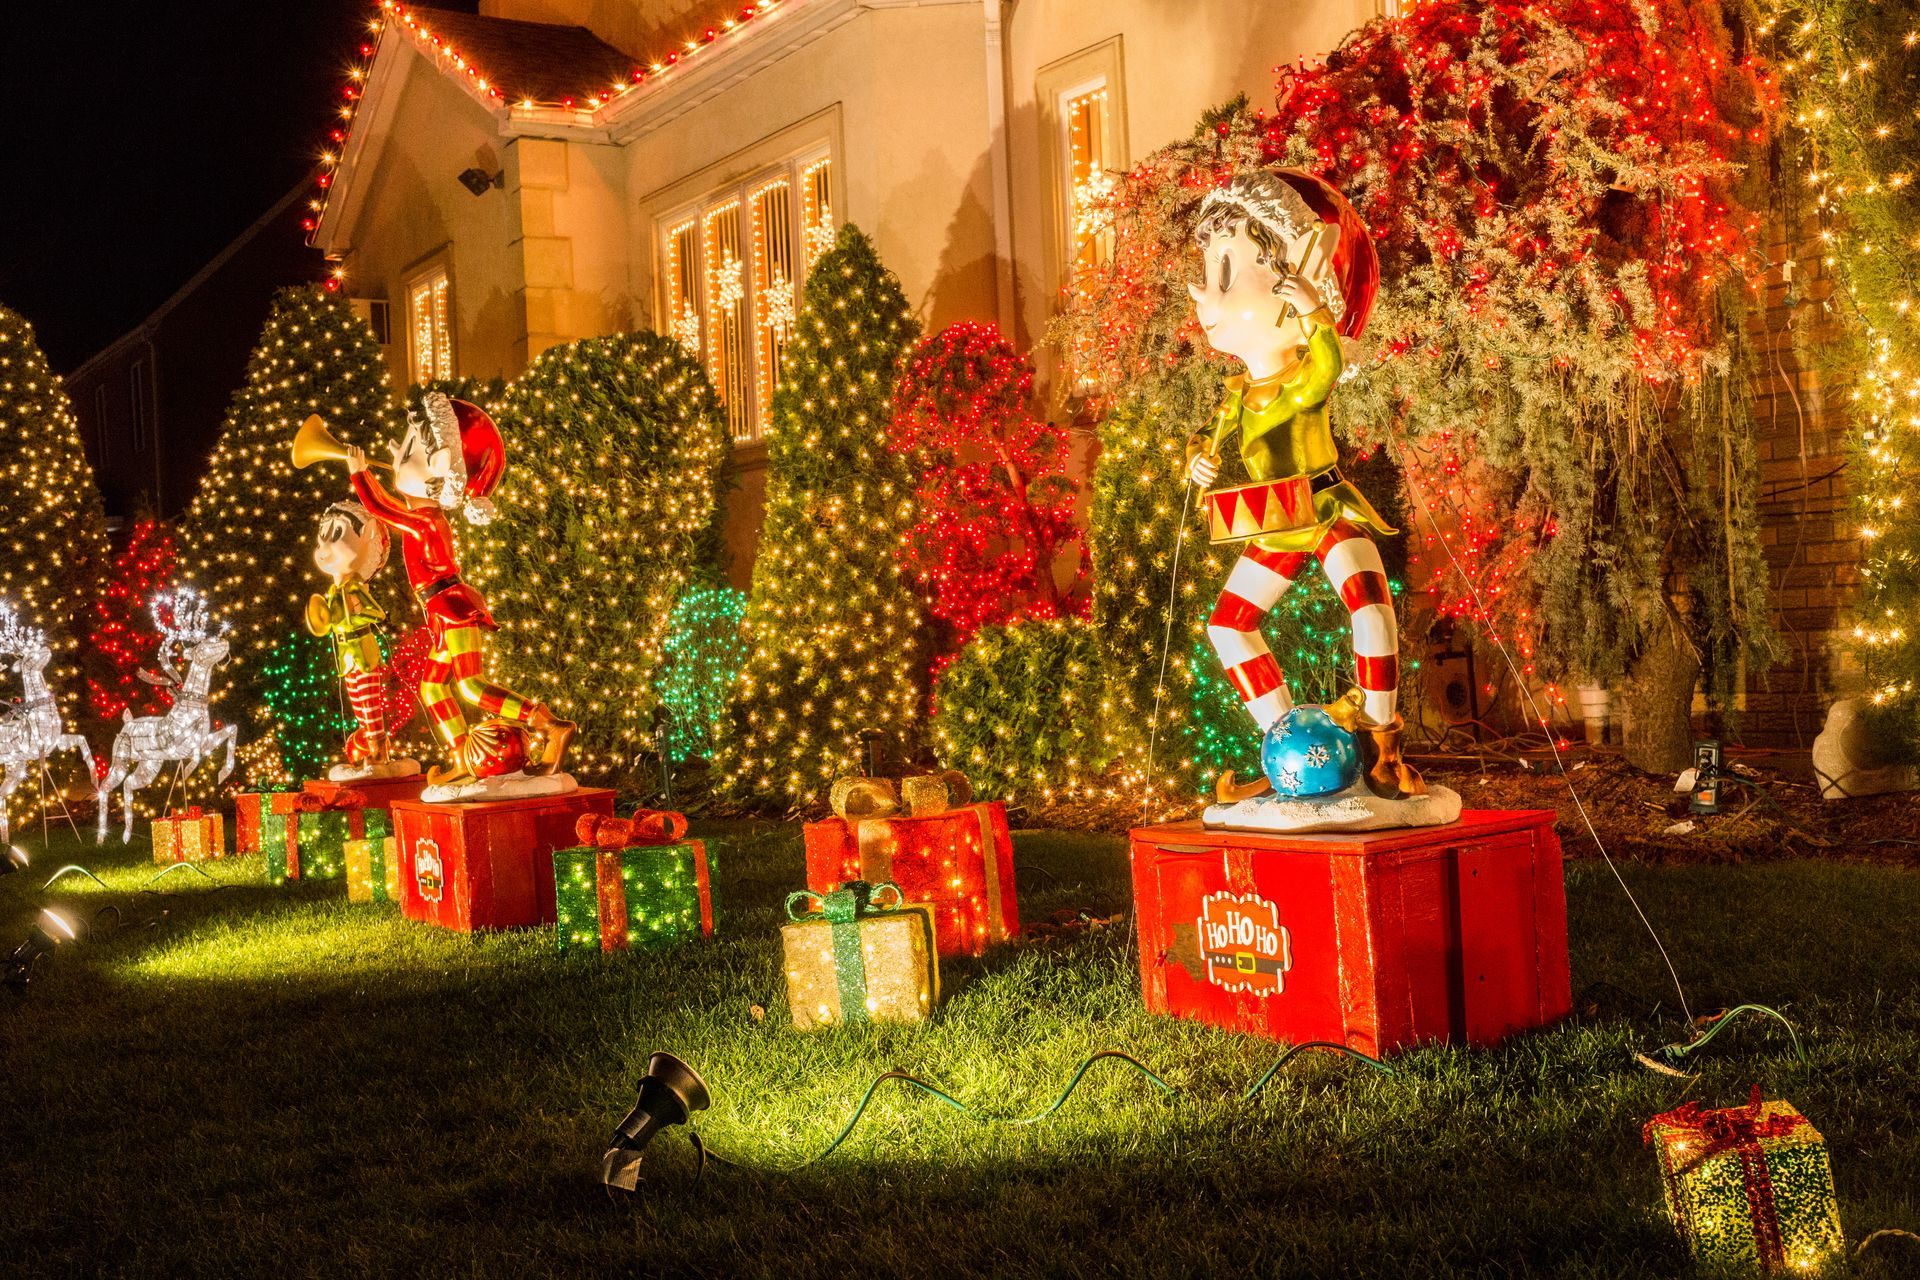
(351,548)
(1289,272)
(451,458)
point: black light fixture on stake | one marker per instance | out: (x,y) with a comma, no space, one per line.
(46,933)
(670,1092)
(14,859)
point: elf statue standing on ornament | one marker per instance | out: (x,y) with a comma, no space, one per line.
(451,458)
(1289,272)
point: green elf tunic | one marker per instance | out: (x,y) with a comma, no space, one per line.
(349,612)
(1284,433)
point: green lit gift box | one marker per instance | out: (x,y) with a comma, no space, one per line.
(859,954)
(1749,1188)
(304,835)
(632,882)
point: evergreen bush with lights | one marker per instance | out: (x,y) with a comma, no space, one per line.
(247,539)
(994,505)
(839,639)
(610,508)
(301,685)
(1019,711)
(53,541)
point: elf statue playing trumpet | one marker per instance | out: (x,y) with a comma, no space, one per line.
(1289,271)
(450,459)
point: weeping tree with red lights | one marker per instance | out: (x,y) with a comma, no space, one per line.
(1563,200)
(994,503)
(123,638)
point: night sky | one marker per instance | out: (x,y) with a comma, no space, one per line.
(144,138)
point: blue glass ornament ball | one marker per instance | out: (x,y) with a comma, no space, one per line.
(1306,754)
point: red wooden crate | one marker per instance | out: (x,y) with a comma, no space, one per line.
(379,793)
(1377,940)
(487,866)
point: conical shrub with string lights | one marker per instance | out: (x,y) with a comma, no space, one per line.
(53,542)
(610,507)
(247,539)
(838,635)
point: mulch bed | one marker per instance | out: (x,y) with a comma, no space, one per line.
(1771,809)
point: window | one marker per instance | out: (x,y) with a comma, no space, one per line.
(730,268)
(1087,171)
(430,326)
(1084,122)
(139,403)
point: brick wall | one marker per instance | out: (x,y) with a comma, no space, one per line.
(1811,548)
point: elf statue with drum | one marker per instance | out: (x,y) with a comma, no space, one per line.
(1289,275)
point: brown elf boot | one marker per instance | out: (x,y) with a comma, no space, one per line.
(555,734)
(1389,776)
(1227,791)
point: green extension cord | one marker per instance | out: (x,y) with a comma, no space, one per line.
(915,1082)
(1672,1056)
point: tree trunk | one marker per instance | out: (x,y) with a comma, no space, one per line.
(1659,701)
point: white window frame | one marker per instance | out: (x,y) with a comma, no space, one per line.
(1099,68)
(746,391)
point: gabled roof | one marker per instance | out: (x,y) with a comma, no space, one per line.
(529,61)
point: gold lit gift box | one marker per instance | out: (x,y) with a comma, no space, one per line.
(189,836)
(373,869)
(1748,1187)
(859,954)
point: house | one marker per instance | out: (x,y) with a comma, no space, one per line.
(151,402)
(547,170)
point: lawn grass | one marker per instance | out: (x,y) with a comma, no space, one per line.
(276,1082)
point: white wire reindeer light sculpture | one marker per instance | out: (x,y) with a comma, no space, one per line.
(33,730)
(185,735)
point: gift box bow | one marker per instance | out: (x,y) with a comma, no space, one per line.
(192,813)
(855,799)
(852,901)
(645,827)
(342,801)
(1718,1130)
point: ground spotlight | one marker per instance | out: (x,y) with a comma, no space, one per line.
(46,933)
(670,1092)
(14,859)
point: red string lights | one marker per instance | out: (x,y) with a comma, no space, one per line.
(123,633)
(994,503)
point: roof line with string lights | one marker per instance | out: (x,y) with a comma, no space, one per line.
(470,50)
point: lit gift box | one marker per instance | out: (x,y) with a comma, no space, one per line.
(189,836)
(631,882)
(249,808)
(373,870)
(1748,1187)
(304,835)
(956,861)
(859,954)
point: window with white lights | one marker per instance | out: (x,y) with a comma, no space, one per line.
(1084,120)
(430,326)
(729,269)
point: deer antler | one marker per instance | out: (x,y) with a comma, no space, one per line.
(16,636)
(190,617)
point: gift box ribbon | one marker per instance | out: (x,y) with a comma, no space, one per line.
(192,813)
(844,908)
(645,827)
(1716,1131)
(342,801)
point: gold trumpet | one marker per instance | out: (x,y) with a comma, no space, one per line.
(314,443)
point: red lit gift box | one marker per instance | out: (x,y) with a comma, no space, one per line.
(189,836)
(958,861)
(1376,940)
(487,865)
